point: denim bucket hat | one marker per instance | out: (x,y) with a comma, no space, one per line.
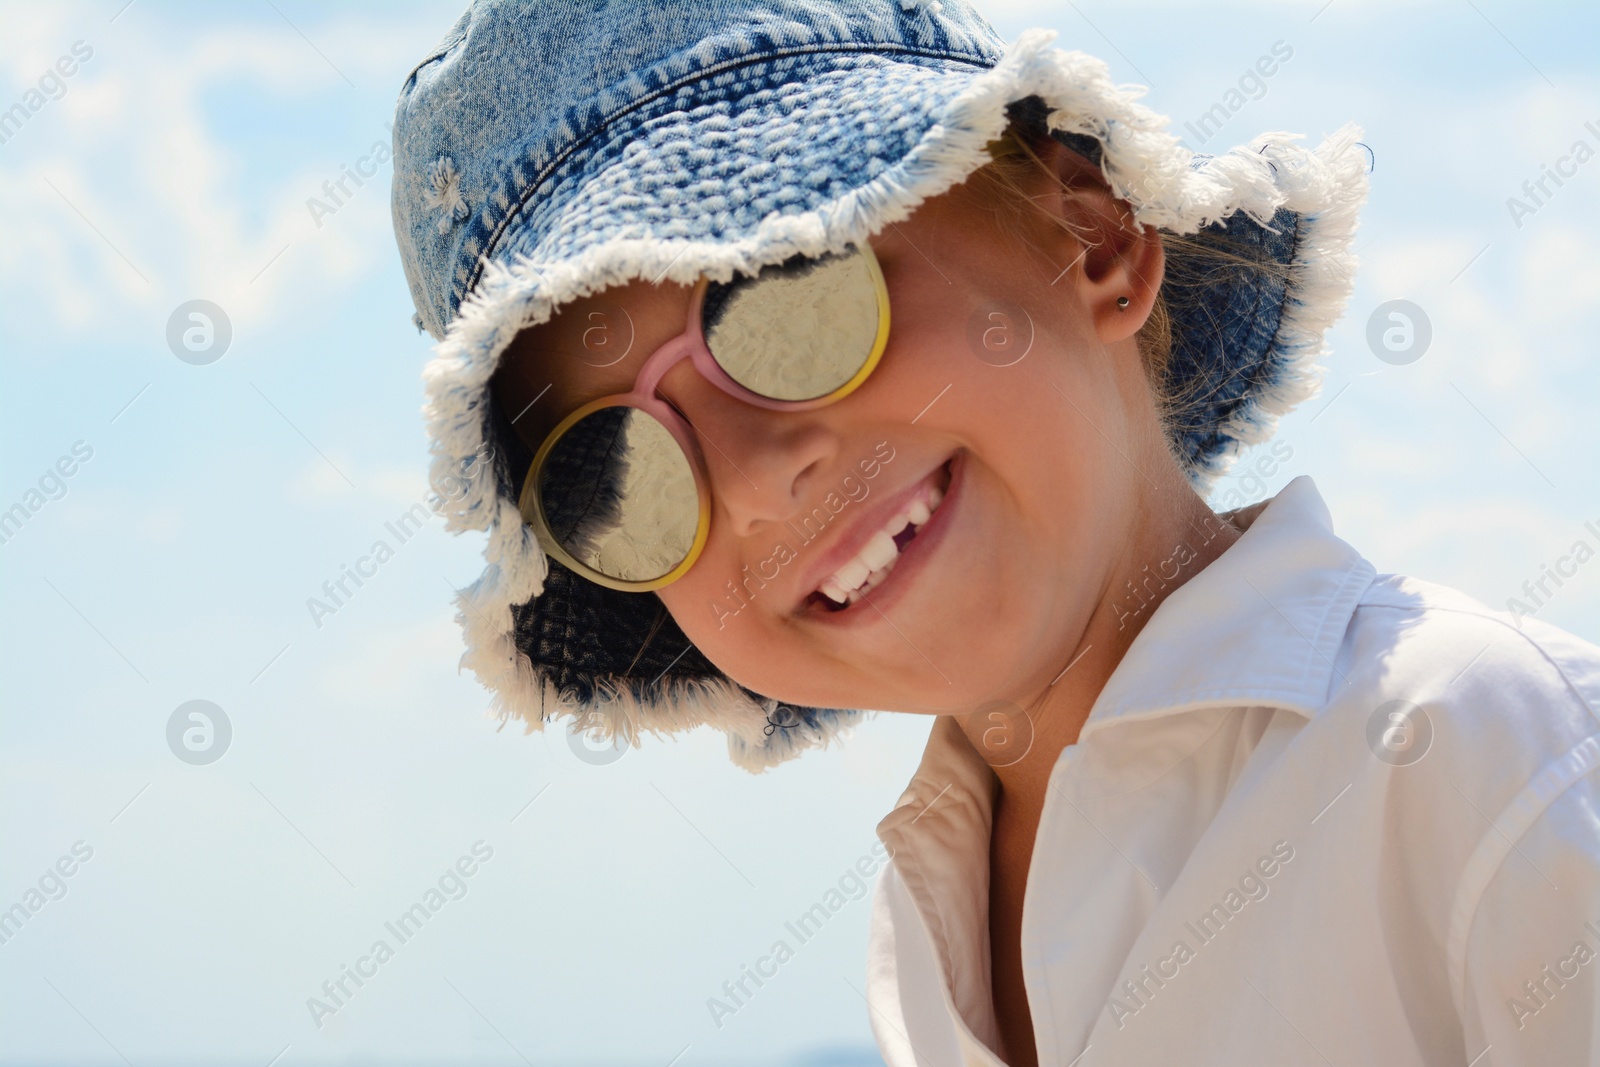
(548,149)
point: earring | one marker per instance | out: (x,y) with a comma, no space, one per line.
(1122,303)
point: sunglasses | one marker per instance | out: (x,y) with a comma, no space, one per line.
(618,491)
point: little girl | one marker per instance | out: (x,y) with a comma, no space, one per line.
(802,358)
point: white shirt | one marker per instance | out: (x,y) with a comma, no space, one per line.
(1226,871)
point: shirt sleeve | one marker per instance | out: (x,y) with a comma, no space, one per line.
(1525,941)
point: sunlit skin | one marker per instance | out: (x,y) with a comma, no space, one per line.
(1069,491)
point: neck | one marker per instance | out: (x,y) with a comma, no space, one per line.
(1175,544)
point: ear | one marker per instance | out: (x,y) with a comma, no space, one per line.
(1112,255)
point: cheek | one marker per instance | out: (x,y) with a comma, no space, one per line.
(735,623)
(1033,549)
(717,610)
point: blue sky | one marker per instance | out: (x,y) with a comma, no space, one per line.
(174,563)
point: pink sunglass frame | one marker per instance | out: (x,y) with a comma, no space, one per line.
(691,345)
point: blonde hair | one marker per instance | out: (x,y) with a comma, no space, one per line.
(1199,264)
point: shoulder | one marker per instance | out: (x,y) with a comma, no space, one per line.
(1476,705)
(1495,719)
(1485,671)
(1464,723)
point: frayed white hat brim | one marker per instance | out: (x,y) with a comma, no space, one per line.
(1144,165)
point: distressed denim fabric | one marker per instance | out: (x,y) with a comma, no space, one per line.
(549,150)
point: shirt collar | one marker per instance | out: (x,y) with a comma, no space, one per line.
(1284,593)
(938,837)
(1260,625)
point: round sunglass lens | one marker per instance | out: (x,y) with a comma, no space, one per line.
(800,329)
(618,493)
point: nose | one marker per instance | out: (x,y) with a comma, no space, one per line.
(764,466)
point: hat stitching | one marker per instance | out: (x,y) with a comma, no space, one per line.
(1141,160)
(728,66)
(445,194)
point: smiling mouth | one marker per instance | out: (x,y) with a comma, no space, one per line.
(870,567)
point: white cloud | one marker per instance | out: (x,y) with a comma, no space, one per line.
(388,667)
(393,485)
(135,148)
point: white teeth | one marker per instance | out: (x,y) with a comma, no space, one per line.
(878,551)
(852,574)
(878,556)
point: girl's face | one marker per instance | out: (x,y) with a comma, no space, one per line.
(1011,384)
